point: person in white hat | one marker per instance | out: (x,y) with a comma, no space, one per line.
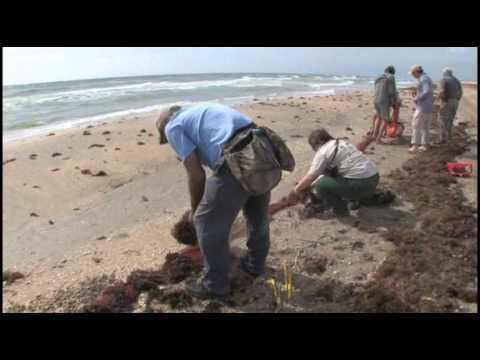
(423,115)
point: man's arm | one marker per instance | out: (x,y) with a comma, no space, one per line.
(441,93)
(425,91)
(392,90)
(196,179)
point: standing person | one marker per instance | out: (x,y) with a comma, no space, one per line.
(450,94)
(339,173)
(200,135)
(385,97)
(422,118)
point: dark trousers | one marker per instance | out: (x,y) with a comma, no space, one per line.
(222,201)
(336,190)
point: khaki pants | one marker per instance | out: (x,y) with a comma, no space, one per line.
(448,111)
(421,128)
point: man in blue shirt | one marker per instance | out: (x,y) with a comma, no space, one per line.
(198,134)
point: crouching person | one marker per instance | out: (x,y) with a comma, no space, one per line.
(245,169)
(339,173)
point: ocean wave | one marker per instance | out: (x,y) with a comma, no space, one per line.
(29,129)
(319,85)
(92,94)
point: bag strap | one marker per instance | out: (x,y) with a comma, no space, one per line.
(335,151)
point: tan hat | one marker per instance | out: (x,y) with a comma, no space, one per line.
(162,121)
(415,68)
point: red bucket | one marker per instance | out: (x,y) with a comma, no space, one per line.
(460,169)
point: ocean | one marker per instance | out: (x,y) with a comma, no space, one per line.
(40,108)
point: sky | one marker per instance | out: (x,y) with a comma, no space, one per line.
(47,64)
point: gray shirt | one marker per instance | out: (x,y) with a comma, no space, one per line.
(385,90)
(451,87)
(424,98)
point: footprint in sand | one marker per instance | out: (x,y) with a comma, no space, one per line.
(9,161)
(96,145)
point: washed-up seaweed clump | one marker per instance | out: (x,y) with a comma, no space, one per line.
(184,231)
(434,266)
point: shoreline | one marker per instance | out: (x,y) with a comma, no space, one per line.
(65,126)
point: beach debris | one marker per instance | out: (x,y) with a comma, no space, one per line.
(144,198)
(86,172)
(103,237)
(97,260)
(297,136)
(90,126)
(357,245)
(51,222)
(33,156)
(140,143)
(33,214)
(121,296)
(184,230)
(106,132)
(259,117)
(107,139)
(150,134)
(55,154)
(11,276)
(35,187)
(100,173)
(348,128)
(117,149)
(87,133)
(56,169)
(76,209)
(9,161)
(51,134)
(315,264)
(96,145)
(143,131)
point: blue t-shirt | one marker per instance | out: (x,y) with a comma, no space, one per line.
(204,128)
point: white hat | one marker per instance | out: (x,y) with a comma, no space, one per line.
(415,68)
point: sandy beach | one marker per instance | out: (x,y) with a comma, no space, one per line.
(101,200)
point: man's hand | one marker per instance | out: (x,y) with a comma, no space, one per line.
(293,198)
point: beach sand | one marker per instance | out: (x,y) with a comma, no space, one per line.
(62,225)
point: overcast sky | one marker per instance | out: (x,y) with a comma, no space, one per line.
(30,65)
